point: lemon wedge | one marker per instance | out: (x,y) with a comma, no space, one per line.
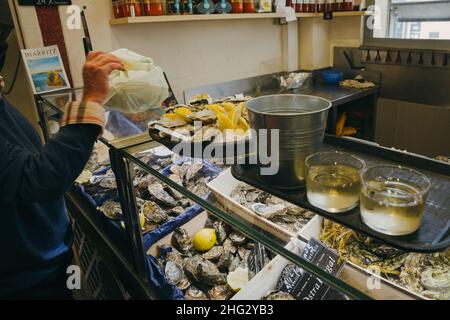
(228,106)
(223,122)
(183,112)
(216,108)
(204,240)
(173,116)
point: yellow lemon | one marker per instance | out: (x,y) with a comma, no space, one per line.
(216,108)
(238,279)
(183,112)
(223,122)
(243,125)
(173,116)
(204,240)
(141,221)
(228,106)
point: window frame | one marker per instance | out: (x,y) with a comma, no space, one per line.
(370,41)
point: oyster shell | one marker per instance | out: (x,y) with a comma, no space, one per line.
(223,292)
(209,274)
(174,273)
(111,209)
(221,231)
(192,170)
(184,284)
(191,267)
(193,293)
(175,257)
(176,211)
(236,262)
(213,254)
(225,261)
(237,238)
(178,170)
(158,192)
(181,240)
(229,246)
(243,253)
(278,295)
(175,178)
(153,213)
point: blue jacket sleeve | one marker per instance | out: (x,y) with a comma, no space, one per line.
(28,176)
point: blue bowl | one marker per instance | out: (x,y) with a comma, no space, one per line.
(332,77)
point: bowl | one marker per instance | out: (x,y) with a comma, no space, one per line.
(332,77)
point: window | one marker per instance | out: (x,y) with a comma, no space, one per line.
(412,19)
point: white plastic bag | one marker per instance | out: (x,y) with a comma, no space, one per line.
(141,87)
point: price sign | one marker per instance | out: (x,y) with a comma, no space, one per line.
(45,3)
(304,286)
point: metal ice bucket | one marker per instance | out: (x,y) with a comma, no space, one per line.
(301,121)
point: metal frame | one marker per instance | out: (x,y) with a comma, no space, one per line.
(122,162)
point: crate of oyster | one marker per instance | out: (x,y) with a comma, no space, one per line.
(413,275)
(269,213)
(268,284)
(157,204)
(207,259)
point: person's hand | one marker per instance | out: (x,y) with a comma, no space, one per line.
(2,83)
(95,75)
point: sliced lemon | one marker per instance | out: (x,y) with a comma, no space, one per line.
(204,240)
(238,279)
(243,125)
(173,116)
(223,122)
(228,106)
(183,112)
(217,108)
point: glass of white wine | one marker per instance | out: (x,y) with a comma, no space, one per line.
(393,199)
(333,181)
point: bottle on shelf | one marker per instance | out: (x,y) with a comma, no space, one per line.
(205,7)
(338,5)
(153,7)
(187,7)
(117,9)
(249,6)
(223,7)
(312,6)
(329,5)
(237,6)
(173,7)
(348,5)
(299,5)
(320,6)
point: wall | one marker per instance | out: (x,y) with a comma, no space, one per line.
(191,53)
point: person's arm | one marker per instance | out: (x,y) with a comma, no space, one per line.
(44,176)
(28,177)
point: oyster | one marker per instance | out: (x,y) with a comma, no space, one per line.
(149,227)
(181,240)
(108,182)
(221,231)
(243,253)
(238,238)
(191,267)
(178,180)
(225,261)
(229,246)
(153,213)
(223,292)
(111,209)
(176,211)
(209,274)
(174,273)
(192,170)
(203,271)
(213,254)
(184,283)
(236,262)
(158,192)
(195,294)
(175,257)
(178,170)
(278,295)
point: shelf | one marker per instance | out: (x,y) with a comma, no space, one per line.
(234,16)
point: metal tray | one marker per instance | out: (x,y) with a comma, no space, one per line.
(434,233)
(194,146)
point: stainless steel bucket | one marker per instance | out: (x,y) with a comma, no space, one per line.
(301,121)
